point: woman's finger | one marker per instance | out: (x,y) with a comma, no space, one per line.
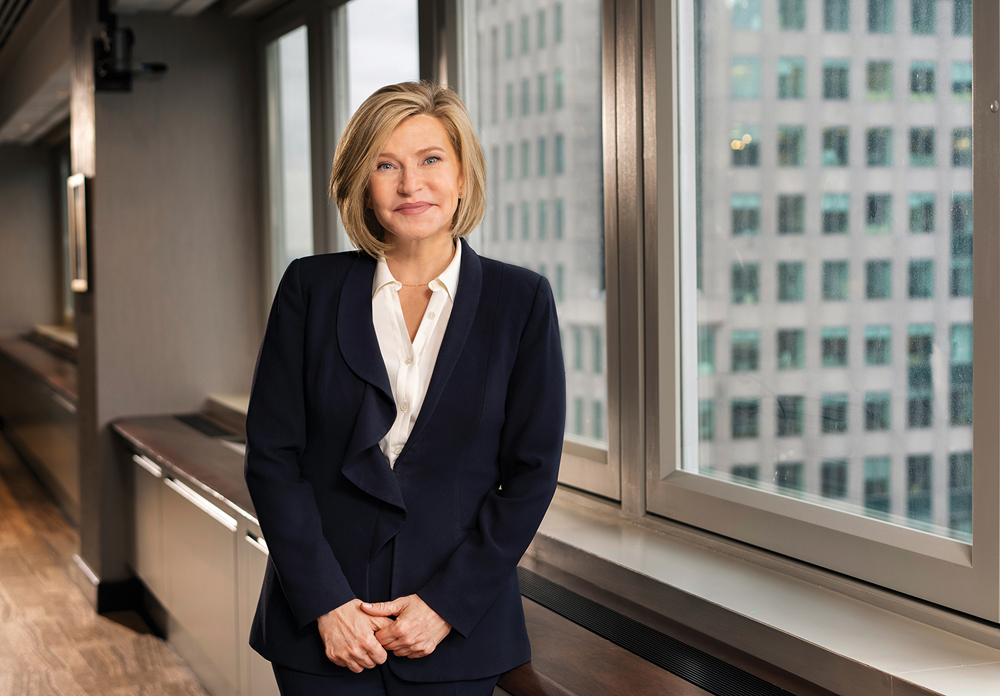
(392,608)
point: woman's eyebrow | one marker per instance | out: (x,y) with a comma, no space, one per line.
(423,151)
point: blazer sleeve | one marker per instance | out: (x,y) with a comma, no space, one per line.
(310,576)
(530,450)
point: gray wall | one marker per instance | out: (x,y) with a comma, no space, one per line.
(174,311)
(29,254)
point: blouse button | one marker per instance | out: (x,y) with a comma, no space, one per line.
(397,449)
(430,315)
(405,405)
(409,360)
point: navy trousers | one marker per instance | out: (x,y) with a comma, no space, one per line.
(379,681)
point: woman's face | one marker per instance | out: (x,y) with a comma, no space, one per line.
(417,181)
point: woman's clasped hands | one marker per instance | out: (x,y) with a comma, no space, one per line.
(357,635)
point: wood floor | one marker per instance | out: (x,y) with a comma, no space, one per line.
(51,640)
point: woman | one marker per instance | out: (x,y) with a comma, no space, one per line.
(405,424)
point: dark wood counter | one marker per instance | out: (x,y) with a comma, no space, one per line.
(202,460)
(57,372)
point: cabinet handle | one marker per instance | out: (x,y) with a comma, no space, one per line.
(258,543)
(202,504)
(148,465)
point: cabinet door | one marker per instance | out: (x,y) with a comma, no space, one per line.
(199,544)
(260,677)
(148,558)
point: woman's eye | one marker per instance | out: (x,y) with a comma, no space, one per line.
(383,166)
(432,159)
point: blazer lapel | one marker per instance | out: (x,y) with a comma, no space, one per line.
(463,313)
(364,464)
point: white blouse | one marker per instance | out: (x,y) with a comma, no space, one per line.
(410,364)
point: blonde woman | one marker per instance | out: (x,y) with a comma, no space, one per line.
(405,424)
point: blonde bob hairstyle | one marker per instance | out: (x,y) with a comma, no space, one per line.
(363,140)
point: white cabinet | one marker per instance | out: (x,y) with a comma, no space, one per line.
(199,548)
(147,558)
(253,551)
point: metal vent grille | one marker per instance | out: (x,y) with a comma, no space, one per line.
(690,664)
(11,12)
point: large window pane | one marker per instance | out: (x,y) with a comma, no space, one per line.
(850,342)
(289,151)
(555,179)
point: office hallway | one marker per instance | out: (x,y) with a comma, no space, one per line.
(51,641)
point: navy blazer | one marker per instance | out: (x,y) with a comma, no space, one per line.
(467,493)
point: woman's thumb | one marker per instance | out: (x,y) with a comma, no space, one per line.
(382,608)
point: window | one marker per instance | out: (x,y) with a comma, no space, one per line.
(791,146)
(878,415)
(837,15)
(745,350)
(960,494)
(746,283)
(706,351)
(745,473)
(961,81)
(961,277)
(791,78)
(598,352)
(879,80)
(921,147)
(918,487)
(558,98)
(923,17)
(791,214)
(542,94)
(835,278)
(706,420)
(746,214)
(922,80)
(541,29)
(961,147)
(788,475)
(543,219)
(833,341)
(877,470)
(960,399)
(746,14)
(921,279)
(577,348)
(962,18)
(878,142)
(881,16)
(792,15)
(560,285)
(525,159)
(790,415)
(559,158)
(961,245)
(791,349)
(878,213)
(835,213)
(878,345)
(510,221)
(525,221)
(525,33)
(833,413)
(560,218)
(791,281)
(542,150)
(558,28)
(525,97)
(921,212)
(289,151)
(833,478)
(920,347)
(835,146)
(745,420)
(508,40)
(598,423)
(745,144)
(578,416)
(510,100)
(836,83)
(878,279)
(745,77)
(509,162)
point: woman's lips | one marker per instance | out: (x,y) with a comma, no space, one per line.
(413,208)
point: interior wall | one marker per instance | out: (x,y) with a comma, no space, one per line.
(175,244)
(28,236)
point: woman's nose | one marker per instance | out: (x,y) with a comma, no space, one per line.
(409,180)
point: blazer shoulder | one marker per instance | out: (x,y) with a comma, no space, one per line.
(325,270)
(516,281)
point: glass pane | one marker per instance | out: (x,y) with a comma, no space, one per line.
(545,179)
(289,152)
(826,217)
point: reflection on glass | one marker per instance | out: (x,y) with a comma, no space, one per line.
(539,64)
(828,271)
(289,154)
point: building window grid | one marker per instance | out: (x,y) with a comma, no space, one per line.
(745,349)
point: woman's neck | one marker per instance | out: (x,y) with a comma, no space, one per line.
(416,262)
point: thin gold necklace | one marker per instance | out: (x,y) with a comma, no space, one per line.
(418,285)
